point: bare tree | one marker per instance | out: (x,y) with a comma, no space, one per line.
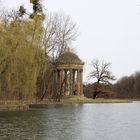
(59,34)
(101,74)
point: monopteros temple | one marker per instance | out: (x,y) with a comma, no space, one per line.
(69,74)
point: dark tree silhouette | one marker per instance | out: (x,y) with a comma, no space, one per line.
(101,74)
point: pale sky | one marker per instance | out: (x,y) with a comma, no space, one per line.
(109,30)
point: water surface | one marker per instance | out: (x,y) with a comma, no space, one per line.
(73,122)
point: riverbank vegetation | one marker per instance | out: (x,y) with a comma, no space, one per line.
(24,105)
(101,75)
(29,44)
(80,100)
(128,87)
(125,88)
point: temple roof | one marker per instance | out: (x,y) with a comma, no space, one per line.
(69,58)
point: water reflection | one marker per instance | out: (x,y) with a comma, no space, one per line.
(73,122)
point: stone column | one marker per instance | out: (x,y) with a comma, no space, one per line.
(78,82)
(65,81)
(81,82)
(59,81)
(62,80)
(70,82)
(58,76)
(73,83)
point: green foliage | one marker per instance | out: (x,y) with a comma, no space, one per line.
(21,57)
(26,51)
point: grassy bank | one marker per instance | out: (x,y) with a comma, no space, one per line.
(24,105)
(73,100)
(13,105)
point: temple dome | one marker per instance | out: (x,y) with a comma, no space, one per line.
(69,58)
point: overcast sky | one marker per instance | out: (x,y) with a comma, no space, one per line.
(109,30)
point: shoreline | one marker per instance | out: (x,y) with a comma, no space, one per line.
(18,105)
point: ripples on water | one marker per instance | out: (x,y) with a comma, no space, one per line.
(73,122)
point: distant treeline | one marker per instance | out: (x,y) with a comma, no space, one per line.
(126,87)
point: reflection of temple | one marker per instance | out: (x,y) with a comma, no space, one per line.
(70,74)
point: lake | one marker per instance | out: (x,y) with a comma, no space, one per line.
(119,121)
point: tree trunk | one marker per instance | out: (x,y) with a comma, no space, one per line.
(95,93)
